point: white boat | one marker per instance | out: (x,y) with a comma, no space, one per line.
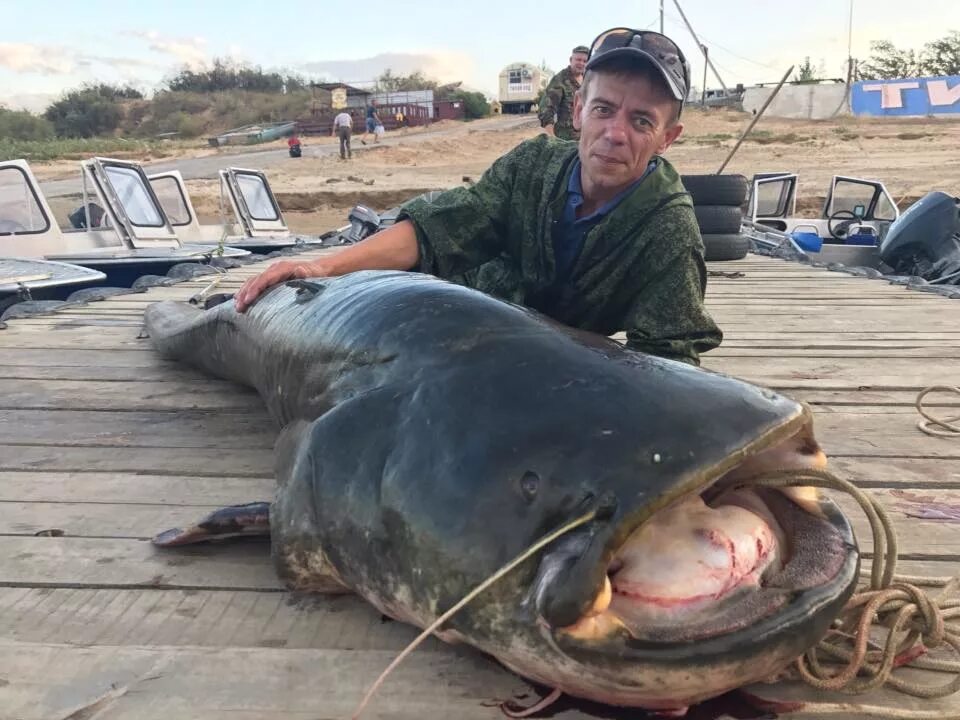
(856,217)
(123,231)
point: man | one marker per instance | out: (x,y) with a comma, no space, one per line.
(600,235)
(373,120)
(556,107)
(342,127)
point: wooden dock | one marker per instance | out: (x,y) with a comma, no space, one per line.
(102,444)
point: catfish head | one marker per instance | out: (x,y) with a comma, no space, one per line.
(688,582)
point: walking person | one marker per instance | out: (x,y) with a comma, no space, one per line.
(342,128)
(556,107)
(372,123)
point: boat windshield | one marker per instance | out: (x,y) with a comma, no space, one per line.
(20,210)
(256,196)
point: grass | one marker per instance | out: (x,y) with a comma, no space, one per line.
(765,137)
(81,148)
(913,135)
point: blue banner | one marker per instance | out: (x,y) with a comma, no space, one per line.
(912,96)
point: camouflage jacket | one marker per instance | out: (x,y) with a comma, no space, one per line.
(557,105)
(641,268)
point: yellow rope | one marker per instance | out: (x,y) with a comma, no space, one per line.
(846,660)
(933,425)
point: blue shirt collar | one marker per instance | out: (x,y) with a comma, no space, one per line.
(575,191)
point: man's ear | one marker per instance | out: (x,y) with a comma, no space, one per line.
(577,107)
(669,137)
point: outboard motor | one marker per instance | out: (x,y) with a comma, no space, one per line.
(363,223)
(925,240)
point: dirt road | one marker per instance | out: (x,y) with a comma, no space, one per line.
(911,156)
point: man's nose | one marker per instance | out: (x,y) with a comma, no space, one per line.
(616,129)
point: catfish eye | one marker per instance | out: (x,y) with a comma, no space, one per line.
(529,484)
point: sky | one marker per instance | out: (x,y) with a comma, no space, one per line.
(47,47)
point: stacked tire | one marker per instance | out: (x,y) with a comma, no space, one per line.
(718,204)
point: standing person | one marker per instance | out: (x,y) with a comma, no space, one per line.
(599,235)
(372,122)
(556,107)
(342,128)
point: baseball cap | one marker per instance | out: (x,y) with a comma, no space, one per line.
(649,46)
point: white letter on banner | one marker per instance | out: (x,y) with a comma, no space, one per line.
(940,94)
(891,93)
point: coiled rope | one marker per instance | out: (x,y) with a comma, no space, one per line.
(933,425)
(848,659)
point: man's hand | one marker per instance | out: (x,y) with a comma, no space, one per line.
(274,275)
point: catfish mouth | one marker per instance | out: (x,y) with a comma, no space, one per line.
(725,561)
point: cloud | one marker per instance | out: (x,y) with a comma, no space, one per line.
(26,58)
(441,66)
(34,102)
(191,52)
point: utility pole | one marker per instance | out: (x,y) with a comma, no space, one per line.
(850,47)
(661,17)
(703,91)
(697,41)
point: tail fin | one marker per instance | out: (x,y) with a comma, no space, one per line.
(232,521)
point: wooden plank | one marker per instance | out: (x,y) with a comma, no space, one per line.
(186,429)
(890,351)
(831,372)
(153,370)
(108,562)
(203,462)
(128,520)
(134,521)
(879,432)
(123,488)
(867,395)
(101,395)
(154,683)
(200,618)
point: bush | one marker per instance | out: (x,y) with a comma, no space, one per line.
(475,104)
(23,125)
(83,114)
(226,75)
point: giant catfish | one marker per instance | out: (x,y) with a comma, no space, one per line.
(431,433)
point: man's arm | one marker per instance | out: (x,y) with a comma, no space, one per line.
(463,228)
(668,317)
(392,249)
(552,97)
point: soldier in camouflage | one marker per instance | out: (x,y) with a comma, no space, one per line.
(556,107)
(599,235)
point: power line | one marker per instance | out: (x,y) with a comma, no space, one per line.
(705,39)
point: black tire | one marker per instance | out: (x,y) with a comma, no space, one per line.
(716,189)
(718,219)
(725,247)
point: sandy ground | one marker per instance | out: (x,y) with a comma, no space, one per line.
(911,156)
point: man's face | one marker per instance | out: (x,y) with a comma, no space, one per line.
(578,61)
(624,120)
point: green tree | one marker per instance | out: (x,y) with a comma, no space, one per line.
(806,72)
(388,82)
(941,57)
(90,110)
(224,74)
(475,104)
(888,62)
(23,125)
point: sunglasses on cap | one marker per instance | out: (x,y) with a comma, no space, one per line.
(652,46)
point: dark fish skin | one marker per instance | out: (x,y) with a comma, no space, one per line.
(431,433)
